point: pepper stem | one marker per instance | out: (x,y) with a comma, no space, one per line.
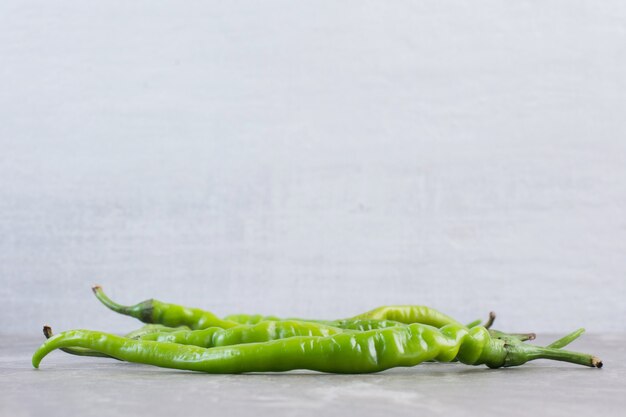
(474,323)
(104,299)
(567,356)
(520,353)
(47,331)
(523,337)
(490,320)
(566,340)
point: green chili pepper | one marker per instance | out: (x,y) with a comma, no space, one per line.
(358,352)
(408,314)
(154,311)
(78,351)
(148,329)
(171,315)
(262,332)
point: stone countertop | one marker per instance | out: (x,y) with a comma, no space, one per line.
(76,386)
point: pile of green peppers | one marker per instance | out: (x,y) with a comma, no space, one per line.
(391,336)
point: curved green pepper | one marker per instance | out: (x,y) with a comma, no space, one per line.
(135,334)
(172,315)
(358,352)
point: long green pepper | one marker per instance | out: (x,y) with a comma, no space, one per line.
(148,329)
(359,352)
(172,315)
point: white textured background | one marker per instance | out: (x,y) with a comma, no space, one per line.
(314,158)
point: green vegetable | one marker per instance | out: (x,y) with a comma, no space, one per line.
(408,314)
(358,352)
(172,315)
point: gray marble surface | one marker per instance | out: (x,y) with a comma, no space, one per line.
(71,386)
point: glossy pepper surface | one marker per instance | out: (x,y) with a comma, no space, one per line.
(264,331)
(408,314)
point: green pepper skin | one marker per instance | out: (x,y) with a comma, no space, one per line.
(250,319)
(170,315)
(408,314)
(348,324)
(153,328)
(358,352)
(363,325)
(262,332)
